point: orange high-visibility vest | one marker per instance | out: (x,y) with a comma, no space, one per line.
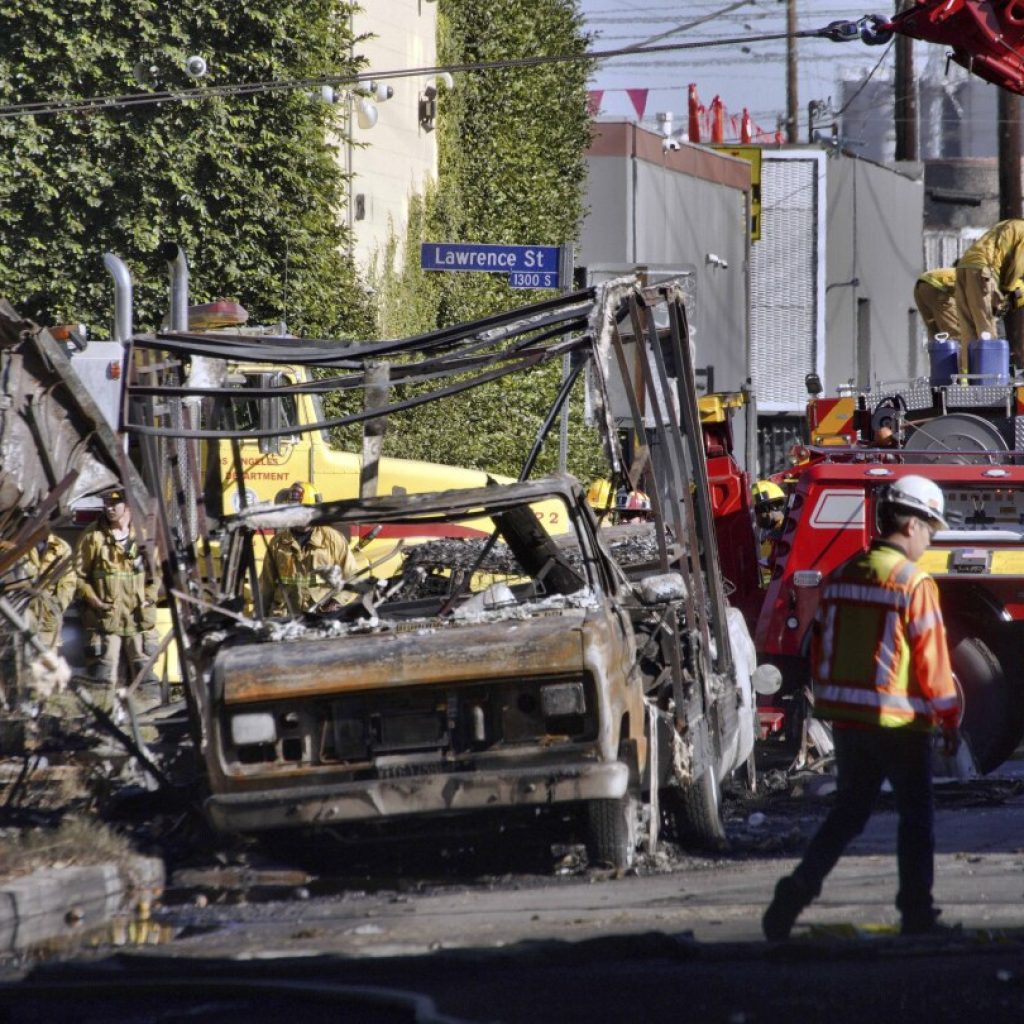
(878,650)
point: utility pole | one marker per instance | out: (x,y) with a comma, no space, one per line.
(792,100)
(1009,155)
(906,99)
(1010,197)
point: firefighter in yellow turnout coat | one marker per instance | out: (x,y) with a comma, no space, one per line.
(290,580)
(118,600)
(935,297)
(988,279)
(44,573)
(51,560)
(934,294)
(882,674)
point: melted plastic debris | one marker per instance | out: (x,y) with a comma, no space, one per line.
(274,630)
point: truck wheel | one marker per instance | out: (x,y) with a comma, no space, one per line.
(992,717)
(696,812)
(613,828)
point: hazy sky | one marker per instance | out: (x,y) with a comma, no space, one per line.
(745,75)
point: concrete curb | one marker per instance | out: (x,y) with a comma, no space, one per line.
(54,903)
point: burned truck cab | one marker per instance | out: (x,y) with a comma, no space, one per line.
(473,663)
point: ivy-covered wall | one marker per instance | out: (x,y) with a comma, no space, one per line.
(512,145)
(248,185)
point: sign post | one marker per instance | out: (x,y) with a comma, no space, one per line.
(566,266)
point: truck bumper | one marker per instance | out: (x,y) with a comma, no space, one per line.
(330,804)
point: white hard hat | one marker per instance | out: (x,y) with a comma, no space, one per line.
(918,495)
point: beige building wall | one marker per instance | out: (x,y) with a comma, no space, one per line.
(398,156)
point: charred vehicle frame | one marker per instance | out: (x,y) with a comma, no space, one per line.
(665,710)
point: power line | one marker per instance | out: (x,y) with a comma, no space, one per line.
(693,24)
(102,104)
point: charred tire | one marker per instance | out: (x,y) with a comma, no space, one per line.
(992,717)
(613,831)
(697,812)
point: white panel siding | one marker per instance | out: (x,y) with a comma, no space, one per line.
(784,284)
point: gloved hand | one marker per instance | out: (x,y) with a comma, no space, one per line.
(950,740)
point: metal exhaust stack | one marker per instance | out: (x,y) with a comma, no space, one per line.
(118,270)
(177,269)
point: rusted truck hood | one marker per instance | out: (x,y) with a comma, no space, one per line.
(542,645)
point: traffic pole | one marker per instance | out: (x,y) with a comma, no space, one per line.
(566,266)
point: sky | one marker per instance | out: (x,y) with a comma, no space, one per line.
(744,75)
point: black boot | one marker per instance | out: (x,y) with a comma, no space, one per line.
(927,923)
(791,897)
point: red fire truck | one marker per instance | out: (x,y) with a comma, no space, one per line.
(969,439)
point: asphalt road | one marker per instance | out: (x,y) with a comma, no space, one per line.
(679,940)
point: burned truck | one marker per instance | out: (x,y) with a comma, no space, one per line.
(478,658)
(484,671)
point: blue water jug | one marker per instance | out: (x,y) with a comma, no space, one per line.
(943,360)
(989,360)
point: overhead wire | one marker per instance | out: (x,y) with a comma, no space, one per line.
(132,100)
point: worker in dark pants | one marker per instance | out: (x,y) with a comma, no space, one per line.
(882,675)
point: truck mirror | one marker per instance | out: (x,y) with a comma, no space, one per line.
(270,417)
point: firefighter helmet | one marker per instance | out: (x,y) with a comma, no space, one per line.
(918,495)
(768,493)
(304,493)
(113,496)
(631,505)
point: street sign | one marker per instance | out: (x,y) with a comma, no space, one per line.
(527,266)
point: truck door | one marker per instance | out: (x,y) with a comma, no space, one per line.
(269,464)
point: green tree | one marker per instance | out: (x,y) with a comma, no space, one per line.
(511,169)
(249,185)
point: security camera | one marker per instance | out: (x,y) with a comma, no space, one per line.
(195,67)
(668,144)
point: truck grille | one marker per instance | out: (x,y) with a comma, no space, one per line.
(387,734)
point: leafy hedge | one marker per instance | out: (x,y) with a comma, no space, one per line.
(247,185)
(512,146)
